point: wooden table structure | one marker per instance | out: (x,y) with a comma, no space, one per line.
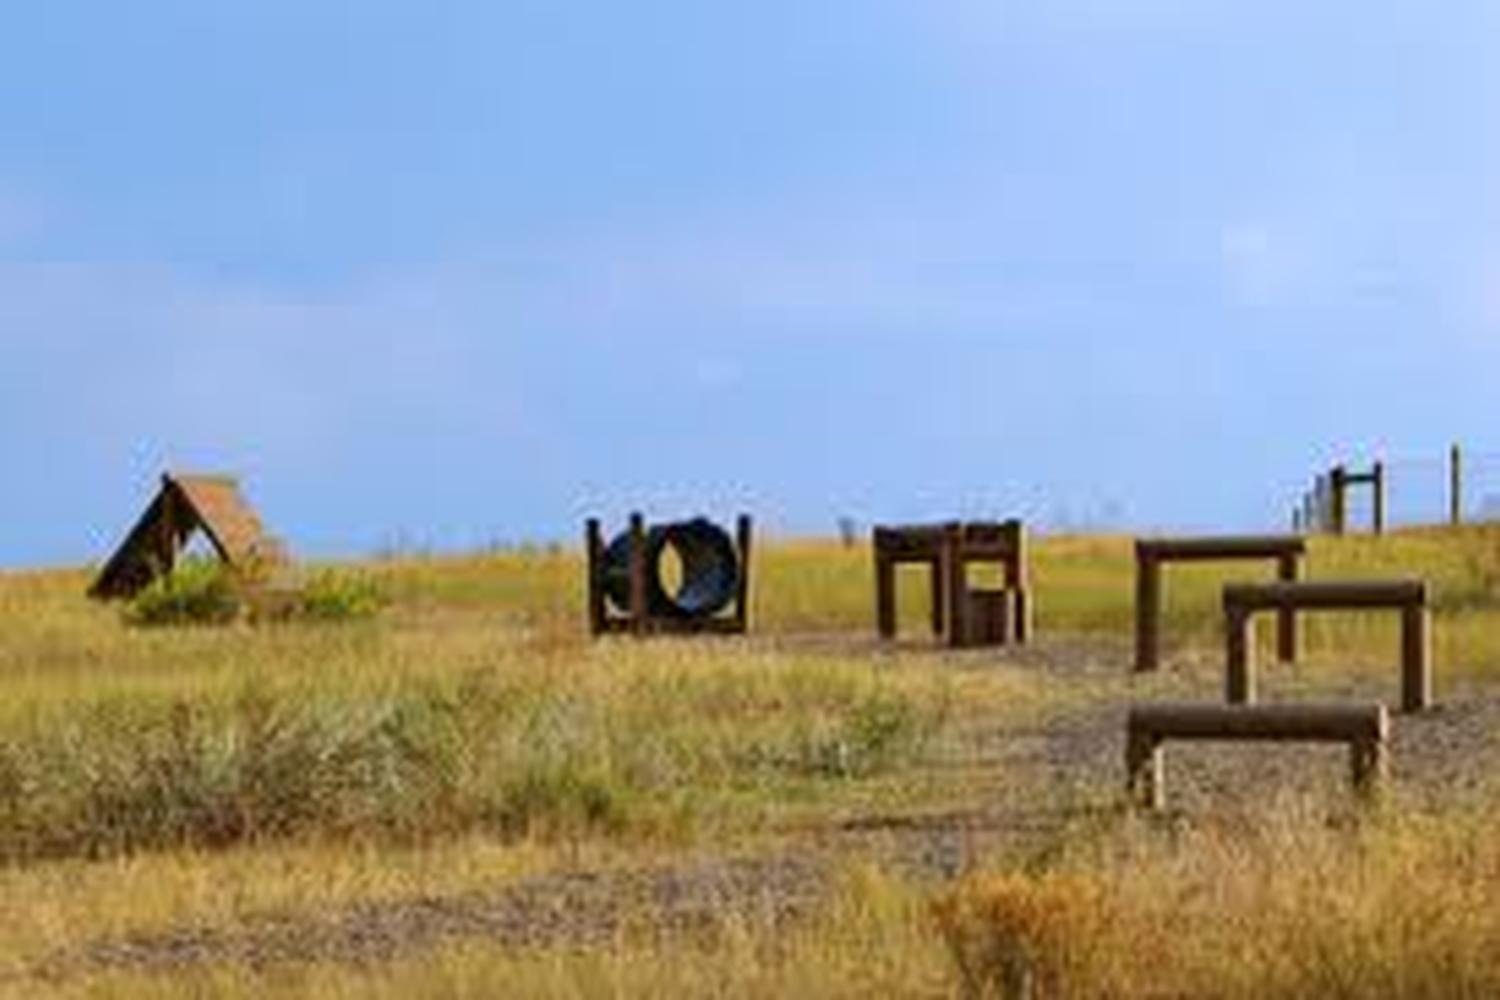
(965,615)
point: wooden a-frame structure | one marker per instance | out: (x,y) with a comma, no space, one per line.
(186,504)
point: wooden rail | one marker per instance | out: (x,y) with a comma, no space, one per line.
(1365,727)
(1243,600)
(1151,553)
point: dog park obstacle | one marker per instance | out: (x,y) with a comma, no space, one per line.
(183,506)
(1152,553)
(1409,597)
(627,593)
(1365,727)
(966,615)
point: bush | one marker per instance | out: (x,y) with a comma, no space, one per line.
(331,595)
(205,592)
(197,592)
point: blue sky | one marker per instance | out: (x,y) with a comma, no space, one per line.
(463,271)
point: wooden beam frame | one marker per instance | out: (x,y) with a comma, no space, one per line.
(1152,553)
(1408,597)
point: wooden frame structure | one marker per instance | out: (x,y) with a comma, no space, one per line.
(1409,597)
(966,615)
(1152,553)
(1340,480)
(1365,727)
(183,505)
(638,618)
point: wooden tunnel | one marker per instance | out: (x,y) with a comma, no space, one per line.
(628,594)
(1408,597)
(1365,727)
(966,615)
(1152,553)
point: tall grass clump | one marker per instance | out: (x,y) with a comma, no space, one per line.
(513,755)
(206,592)
(1291,907)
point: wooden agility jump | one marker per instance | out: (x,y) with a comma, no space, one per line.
(1152,553)
(968,616)
(1365,727)
(1243,600)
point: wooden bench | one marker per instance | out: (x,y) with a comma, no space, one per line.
(1151,553)
(968,615)
(1409,597)
(1365,727)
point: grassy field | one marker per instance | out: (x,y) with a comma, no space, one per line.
(466,796)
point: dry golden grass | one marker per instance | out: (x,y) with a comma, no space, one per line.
(472,738)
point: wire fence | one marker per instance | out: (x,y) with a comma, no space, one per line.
(1460,487)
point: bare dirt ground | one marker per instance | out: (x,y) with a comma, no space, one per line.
(1031,783)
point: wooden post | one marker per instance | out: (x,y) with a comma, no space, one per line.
(593,543)
(742,588)
(1145,767)
(1338,486)
(1286,618)
(885,592)
(1416,658)
(1017,582)
(956,591)
(1455,486)
(638,617)
(1377,484)
(1147,611)
(938,600)
(1239,675)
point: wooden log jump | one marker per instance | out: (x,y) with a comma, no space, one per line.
(1409,597)
(1365,727)
(967,615)
(1151,553)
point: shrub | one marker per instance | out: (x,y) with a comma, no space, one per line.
(332,595)
(197,592)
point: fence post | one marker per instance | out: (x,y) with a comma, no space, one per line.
(1339,488)
(1378,501)
(1455,486)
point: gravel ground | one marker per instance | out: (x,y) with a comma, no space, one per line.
(1033,781)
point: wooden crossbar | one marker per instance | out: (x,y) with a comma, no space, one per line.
(1365,727)
(1222,547)
(1151,553)
(1409,597)
(1316,595)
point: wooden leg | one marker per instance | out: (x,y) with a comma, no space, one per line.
(1286,618)
(938,612)
(955,588)
(1145,769)
(1239,641)
(885,596)
(1416,659)
(1147,613)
